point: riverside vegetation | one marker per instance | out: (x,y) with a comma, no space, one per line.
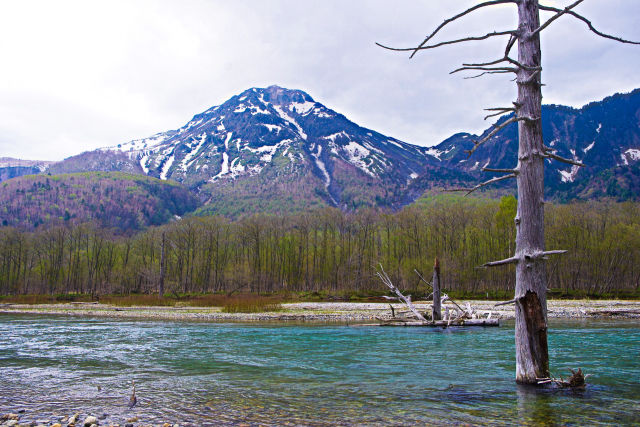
(329,253)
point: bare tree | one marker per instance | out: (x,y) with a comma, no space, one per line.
(532,356)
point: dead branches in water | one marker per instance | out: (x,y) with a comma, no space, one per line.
(407,300)
(457,316)
(575,382)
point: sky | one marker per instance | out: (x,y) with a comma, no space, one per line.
(79,75)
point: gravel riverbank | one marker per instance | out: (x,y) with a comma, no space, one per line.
(323,311)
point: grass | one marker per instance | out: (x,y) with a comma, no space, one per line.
(137,300)
(251,304)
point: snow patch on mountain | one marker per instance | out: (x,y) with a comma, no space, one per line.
(333,136)
(291,120)
(272,127)
(225,167)
(437,153)
(357,153)
(589,147)
(167,166)
(632,154)
(236,168)
(189,158)
(302,108)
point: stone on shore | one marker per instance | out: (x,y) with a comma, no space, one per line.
(90,421)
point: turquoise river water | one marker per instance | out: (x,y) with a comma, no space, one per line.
(295,374)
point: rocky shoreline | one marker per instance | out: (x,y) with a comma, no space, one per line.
(345,312)
(22,419)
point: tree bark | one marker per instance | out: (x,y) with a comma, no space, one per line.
(436,313)
(532,357)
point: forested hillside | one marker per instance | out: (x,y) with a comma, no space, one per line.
(113,200)
(330,251)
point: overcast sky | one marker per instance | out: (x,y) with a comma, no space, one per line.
(77,75)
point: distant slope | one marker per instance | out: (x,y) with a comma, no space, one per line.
(112,199)
(604,135)
(11,168)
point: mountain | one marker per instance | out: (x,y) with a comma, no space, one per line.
(273,147)
(114,200)
(603,135)
(11,168)
(278,150)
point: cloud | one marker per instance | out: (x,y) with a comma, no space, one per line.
(79,75)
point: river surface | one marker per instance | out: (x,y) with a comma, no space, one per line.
(293,374)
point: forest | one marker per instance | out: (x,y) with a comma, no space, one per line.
(330,252)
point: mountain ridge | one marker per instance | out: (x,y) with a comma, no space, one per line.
(279,150)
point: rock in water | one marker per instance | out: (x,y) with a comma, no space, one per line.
(90,420)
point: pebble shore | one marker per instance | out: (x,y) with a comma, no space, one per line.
(345,312)
(23,419)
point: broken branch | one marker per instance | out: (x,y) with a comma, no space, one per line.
(407,300)
(448,42)
(488,70)
(500,170)
(458,16)
(501,113)
(589,24)
(492,133)
(491,181)
(511,260)
(550,154)
(554,17)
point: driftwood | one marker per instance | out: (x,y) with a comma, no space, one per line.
(576,381)
(438,323)
(407,300)
(457,316)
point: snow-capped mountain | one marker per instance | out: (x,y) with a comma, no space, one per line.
(604,135)
(263,128)
(278,150)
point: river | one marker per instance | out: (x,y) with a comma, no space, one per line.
(309,374)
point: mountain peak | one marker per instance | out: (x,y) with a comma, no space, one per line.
(276,95)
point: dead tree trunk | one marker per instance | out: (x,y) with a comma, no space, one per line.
(532,356)
(436,312)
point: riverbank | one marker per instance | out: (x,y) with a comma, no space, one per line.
(323,311)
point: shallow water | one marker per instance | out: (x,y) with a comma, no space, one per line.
(213,373)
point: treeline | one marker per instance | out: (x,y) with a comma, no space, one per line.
(115,200)
(328,250)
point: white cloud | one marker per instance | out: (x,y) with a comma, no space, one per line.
(77,75)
